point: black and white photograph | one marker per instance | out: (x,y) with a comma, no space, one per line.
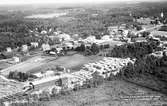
(83,52)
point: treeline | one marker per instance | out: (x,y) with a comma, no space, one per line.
(91,50)
(93,22)
(14,40)
(20,76)
(133,50)
(15,26)
(153,64)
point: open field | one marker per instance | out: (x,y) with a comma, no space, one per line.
(25,66)
(43,63)
(74,62)
(111,93)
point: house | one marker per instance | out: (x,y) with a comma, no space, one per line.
(90,39)
(113,28)
(125,33)
(43,32)
(159,33)
(105,37)
(57,32)
(139,39)
(16,59)
(45,74)
(46,47)
(75,36)
(64,37)
(68,45)
(8,49)
(76,44)
(24,48)
(34,44)
(59,50)
(145,21)
(55,39)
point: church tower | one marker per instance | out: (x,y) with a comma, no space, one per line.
(162,15)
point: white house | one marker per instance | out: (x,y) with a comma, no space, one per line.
(105,37)
(16,59)
(43,32)
(125,33)
(24,48)
(8,49)
(34,44)
(46,47)
(90,39)
(64,37)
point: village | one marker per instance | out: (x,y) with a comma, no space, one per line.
(61,63)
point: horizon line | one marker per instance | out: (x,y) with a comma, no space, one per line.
(81,3)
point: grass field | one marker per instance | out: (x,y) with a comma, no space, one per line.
(73,62)
(111,93)
(43,63)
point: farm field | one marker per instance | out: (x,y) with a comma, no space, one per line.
(111,93)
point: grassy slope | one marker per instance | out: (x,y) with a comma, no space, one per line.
(107,94)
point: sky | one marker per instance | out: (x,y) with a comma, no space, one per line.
(19,2)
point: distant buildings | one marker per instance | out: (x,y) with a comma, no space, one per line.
(159,33)
(105,37)
(139,39)
(64,37)
(145,21)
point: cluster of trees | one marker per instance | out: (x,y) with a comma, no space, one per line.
(134,50)
(15,32)
(163,28)
(138,27)
(92,50)
(152,64)
(20,76)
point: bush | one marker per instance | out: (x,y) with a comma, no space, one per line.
(20,76)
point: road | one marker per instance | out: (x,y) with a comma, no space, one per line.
(27,65)
(149,29)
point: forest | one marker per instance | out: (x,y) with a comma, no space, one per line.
(15,29)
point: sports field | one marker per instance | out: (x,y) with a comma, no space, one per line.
(73,62)
(44,63)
